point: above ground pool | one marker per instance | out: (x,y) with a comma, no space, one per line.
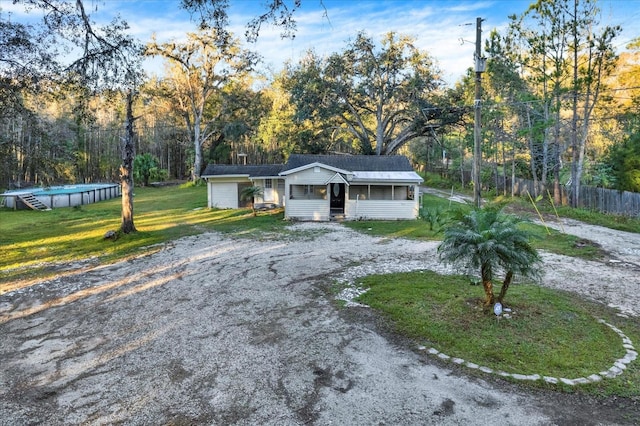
(59,196)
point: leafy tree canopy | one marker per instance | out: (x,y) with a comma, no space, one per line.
(624,160)
(376,93)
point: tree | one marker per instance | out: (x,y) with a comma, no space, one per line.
(539,48)
(626,80)
(277,130)
(199,70)
(377,96)
(162,132)
(566,63)
(143,166)
(109,59)
(26,65)
(593,60)
(213,14)
(235,116)
(280,133)
(126,170)
(624,160)
(491,241)
(250,193)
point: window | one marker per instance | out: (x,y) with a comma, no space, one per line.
(400,192)
(379,192)
(359,192)
(268,184)
(308,192)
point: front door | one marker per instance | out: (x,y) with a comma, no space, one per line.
(337,198)
(267,193)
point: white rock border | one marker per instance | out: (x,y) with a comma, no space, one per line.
(350,292)
(615,370)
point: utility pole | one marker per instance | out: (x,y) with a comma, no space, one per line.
(480,63)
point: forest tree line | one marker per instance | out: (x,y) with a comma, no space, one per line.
(559,104)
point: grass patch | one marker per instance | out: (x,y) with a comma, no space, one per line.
(550,333)
(413,229)
(37,244)
(621,223)
(559,243)
(422,229)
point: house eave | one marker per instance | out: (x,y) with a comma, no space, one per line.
(385,181)
(225,176)
(337,178)
(312,165)
(387,177)
(264,177)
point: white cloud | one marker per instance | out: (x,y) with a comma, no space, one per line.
(328,31)
(445,29)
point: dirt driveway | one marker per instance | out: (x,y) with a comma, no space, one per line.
(220,330)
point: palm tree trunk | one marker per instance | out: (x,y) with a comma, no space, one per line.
(505,286)
(489,298)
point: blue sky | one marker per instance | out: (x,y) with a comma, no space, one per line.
(444,28)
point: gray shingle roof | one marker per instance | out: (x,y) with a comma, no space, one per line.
(354,163)
(263,170)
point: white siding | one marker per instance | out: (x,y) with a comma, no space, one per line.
(307,210)
(381,209)
(222,195)
(384,209)
(310,176)
(273,195)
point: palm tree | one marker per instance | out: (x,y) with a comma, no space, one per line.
(250,193)
(491,240)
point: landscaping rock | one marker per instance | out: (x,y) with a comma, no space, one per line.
(111,235)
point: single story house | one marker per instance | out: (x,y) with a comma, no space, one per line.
(323,187)
(226,182)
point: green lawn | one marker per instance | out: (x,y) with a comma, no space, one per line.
(549,333)
(35,243)
(444,210)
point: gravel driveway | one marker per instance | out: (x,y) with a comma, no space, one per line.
(221,330)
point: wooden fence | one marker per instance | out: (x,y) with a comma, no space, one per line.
(623,203)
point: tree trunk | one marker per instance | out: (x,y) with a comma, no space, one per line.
(575,182)
(489,298)
(557,191)
(379,131)
(126,170)
(197,161)
(532,150)
(505,286)
(513,170)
